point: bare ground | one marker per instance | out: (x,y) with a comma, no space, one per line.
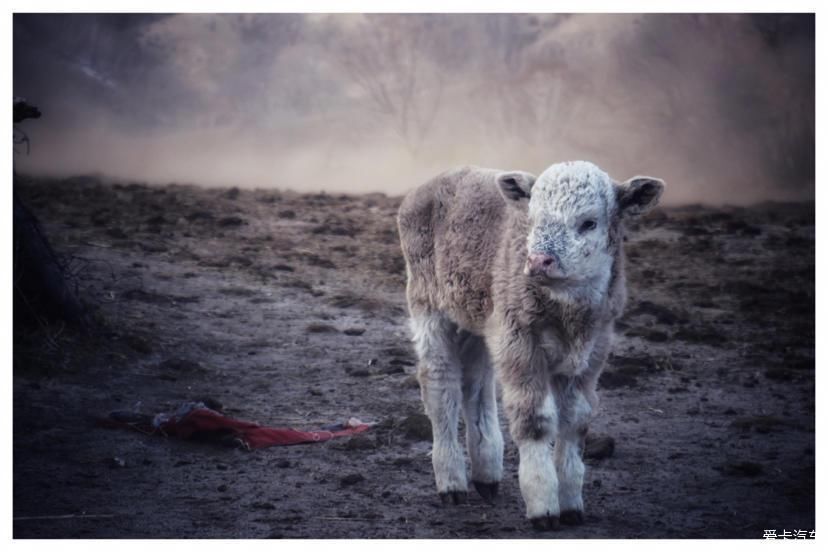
(289,310)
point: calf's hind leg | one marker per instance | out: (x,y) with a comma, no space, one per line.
(440,374)
(484,440)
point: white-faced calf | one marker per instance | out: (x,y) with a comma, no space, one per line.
(523,278)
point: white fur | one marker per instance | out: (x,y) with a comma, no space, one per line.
(563,197)
(537,475)
(440,377)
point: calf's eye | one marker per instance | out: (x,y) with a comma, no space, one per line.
(586,226)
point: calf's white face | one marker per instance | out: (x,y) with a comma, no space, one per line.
(573,211)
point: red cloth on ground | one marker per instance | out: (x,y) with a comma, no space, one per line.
(196,421)
(204,420)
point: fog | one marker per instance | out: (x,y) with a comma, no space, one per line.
(720,106)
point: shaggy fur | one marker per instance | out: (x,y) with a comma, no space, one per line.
(477,308)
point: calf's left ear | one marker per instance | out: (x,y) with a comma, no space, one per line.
(638,195)
(515,186)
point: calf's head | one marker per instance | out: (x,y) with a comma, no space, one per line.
(574,211)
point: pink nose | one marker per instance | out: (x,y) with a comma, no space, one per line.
(541,263)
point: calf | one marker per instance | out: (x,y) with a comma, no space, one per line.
(521,277)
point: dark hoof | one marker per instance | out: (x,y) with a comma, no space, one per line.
(546,523)
(572,517)
(454,497)
(487,490)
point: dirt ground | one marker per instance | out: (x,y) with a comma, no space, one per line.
(289,310)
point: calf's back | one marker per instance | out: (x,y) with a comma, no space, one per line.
(450,230)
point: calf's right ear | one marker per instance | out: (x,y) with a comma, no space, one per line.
(638,195)
(515,185)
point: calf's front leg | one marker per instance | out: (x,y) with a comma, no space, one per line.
(575,412)
(577,404)
(533,422)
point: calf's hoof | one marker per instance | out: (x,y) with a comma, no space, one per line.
(454,497)
(545,523)
(572,517)
(487,490)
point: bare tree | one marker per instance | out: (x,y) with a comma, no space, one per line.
(389,58)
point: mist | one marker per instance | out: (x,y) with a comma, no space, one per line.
(721,106)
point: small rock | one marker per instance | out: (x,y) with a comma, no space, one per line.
(351,479)
(762,423)
(116,462)
(211,403)
(116,233)
(611,379)
(745,468)
(386,423)
(599,447)
(176,364)
(354,331)
(779,374)
(138,344)
(320,328)
(360,442)
(153,247)
(283,464)
(230,221)
(417,427)
(391,370)
(199,215)
(222,488)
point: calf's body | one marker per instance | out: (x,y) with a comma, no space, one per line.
(522,278)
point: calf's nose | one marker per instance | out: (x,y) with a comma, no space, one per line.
(541,263)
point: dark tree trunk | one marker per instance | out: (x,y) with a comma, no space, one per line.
(40,286)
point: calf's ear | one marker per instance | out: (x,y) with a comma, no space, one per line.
(515,185)
(638,195)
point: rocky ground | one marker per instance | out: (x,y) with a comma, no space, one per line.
(289,310)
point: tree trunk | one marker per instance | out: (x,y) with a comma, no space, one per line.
(40,286)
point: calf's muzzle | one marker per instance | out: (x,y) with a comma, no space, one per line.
(542,264)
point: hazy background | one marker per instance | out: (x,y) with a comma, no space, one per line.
(721,106)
